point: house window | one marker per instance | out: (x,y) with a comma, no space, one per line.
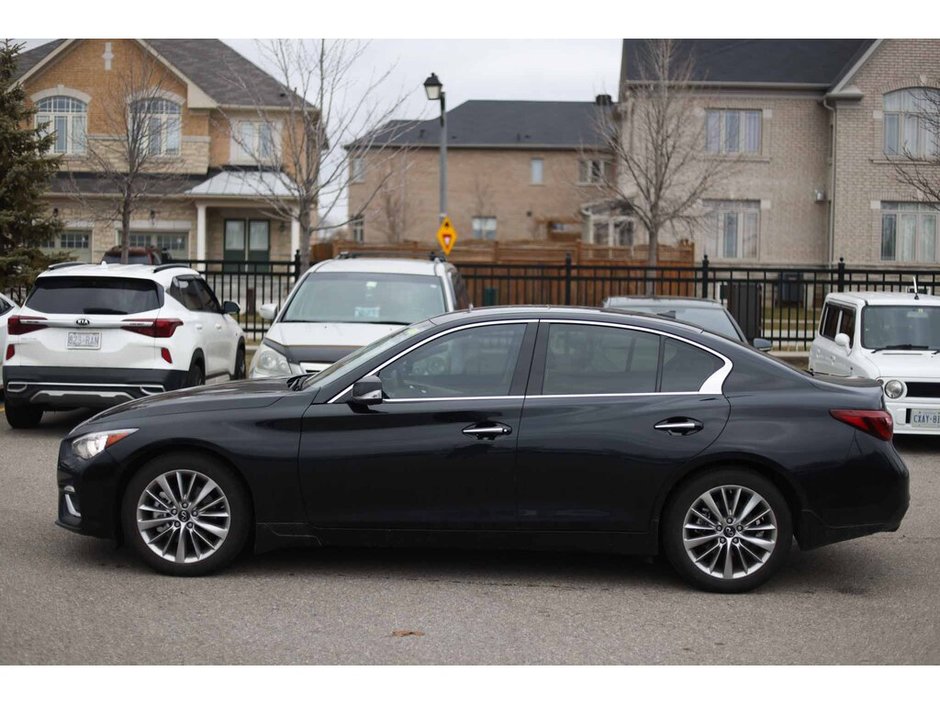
(593,171)
(732,229)
(537,168)
(358,229)
(247,241)
(158,122)
(67,118)
(484,227)
(732,131)
(254,141)
(177,244)
(909,232)
(358,165)
(77,244)
(912,122)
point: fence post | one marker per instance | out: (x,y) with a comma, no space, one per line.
(567,279)
(841,275)
(705,276)
(296,265)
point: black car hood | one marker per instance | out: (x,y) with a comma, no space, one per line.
(252,394)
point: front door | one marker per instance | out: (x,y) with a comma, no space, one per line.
(438,452)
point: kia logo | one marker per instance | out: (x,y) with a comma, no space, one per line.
(82,322)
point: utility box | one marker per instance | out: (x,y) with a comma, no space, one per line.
(790,288)
(744,303)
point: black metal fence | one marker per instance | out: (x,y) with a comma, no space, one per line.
(779,303)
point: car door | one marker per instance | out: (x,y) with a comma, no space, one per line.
(826,357)
(612,411)
(223,333)
(438,452)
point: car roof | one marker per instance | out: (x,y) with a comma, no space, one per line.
(126,271)
(884,298)
(389,265)
(684,301)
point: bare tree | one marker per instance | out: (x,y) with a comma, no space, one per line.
(916,158)
(323,111)
(393,204)
(139,153)
(657,139)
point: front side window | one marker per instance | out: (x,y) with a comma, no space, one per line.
(847,324)
(484,227)
(733,131)
(829,325)
(732,229)
(912,327)
(157,123)
(909,232)
(474,362)
(912,122)
(67,118)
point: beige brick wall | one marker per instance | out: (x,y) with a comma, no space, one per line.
(864,176)
(480,182)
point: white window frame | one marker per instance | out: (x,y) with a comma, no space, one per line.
(357,169)
(537,171)
(58,244)
(69,112)
(358,228)
(742,216)
(165,122)
(483,227)
(718,122)
(593,171)
(137,238)
(256,153)
(915,124)
(914,230)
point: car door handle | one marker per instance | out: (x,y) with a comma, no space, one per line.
(487,431)
(198,326)
(218,326)
(680,427)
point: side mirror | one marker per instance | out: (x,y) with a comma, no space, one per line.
(842,340)
(231,308)
(762,344)
(367,391)
(268,311)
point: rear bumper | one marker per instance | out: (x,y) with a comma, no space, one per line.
(70,387)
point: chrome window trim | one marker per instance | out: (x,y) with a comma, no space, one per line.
(713,385)
(425,342)
(413,399)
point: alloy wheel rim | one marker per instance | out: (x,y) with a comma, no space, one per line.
(183,516)
(729,532)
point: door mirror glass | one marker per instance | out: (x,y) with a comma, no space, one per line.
(842,340)
(268,311)
(367,391)
(762,344)
(231,308)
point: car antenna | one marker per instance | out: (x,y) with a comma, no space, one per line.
(916,293)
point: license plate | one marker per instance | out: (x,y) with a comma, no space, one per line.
(84,341)
(924,418)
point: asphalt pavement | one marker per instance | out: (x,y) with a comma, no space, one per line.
(68,599)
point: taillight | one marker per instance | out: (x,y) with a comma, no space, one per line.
(18,325)
(152,327)
(11,351)
(880,424)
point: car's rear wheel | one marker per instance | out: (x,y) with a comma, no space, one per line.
(196,376)
(22,415)
(240,371)
(186,514)
(727,530)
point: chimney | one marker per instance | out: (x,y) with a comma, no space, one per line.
(603,99)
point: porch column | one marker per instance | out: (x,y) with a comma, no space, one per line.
(294,235)
(200,231)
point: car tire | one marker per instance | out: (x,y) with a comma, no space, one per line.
(240,370)
(22,415)
(156,514)
(724,556)
(196,377)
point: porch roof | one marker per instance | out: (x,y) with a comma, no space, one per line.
(245,184)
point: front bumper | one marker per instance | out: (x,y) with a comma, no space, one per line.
(900,410)
(71,387)
(87,493)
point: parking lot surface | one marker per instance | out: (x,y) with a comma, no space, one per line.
(70,599)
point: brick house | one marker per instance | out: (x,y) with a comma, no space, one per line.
(815,125)
(206,194)
(516,170)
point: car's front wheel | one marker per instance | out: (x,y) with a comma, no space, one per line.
(727,530)
(186,514)
(22,415)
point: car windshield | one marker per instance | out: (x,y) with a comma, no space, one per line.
(101,295)
(365,297)
(338,368)
(900,327)
(715,319)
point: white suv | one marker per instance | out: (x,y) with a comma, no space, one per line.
(341,304)
(7,309)
(891,337)
(98,335)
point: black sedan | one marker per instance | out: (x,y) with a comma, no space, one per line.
(524,427)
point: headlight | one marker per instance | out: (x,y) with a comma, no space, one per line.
(268,362)
(91,444)
(893,388)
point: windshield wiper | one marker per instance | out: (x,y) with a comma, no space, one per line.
(902,346)
(296,382)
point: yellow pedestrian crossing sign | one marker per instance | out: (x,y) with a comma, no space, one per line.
(446,236)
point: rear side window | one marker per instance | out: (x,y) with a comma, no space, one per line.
(686,367)
(4,307)
(101,295)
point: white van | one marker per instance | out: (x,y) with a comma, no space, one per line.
(891,337)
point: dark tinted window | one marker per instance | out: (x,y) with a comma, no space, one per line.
(830,321)
(596,360)
(476,362)
(187,293)
(4,307)
(102,295)
(714,319)
(461,295)
(686,367)
(206,297)
(847,325)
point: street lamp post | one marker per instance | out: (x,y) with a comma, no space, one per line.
(434,89)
